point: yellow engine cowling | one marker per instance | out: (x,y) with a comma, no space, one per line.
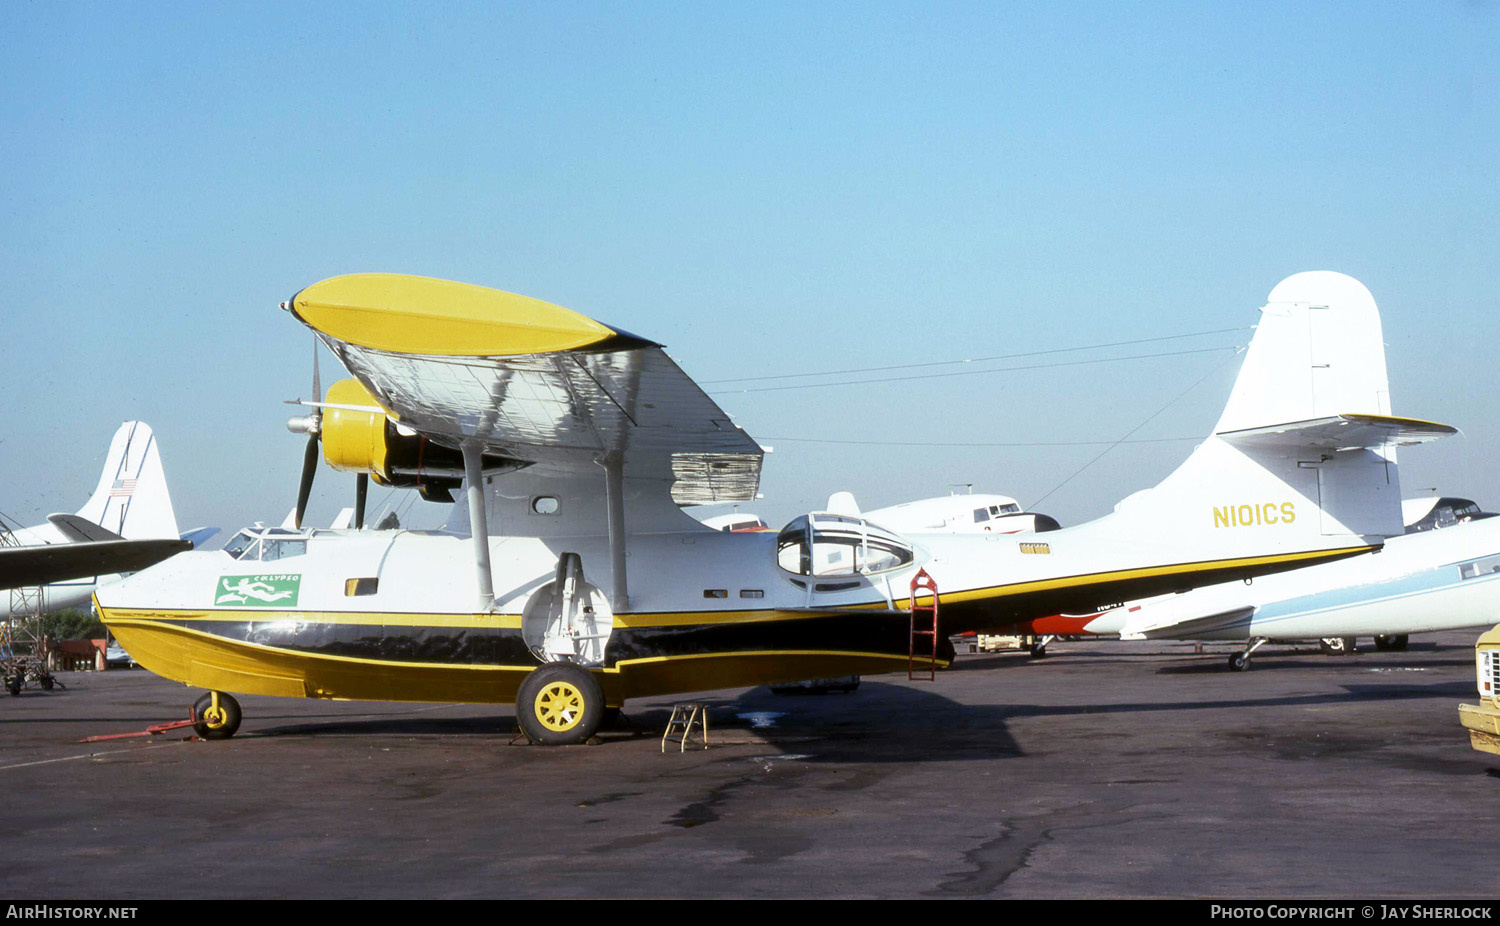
(354,441)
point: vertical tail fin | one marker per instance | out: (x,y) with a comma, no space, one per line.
(1305,451)
(132,499)
(1318,351)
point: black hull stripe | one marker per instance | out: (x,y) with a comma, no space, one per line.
(851,632)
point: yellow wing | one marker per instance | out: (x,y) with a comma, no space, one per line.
(533,382)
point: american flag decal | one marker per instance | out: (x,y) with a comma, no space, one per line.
(123,488)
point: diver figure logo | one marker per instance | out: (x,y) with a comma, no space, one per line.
(237,591)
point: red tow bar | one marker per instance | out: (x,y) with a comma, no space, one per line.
(155,729)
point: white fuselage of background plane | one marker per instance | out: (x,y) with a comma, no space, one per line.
(1446,579)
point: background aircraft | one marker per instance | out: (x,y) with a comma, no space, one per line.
(967,513)
(1442,574)
(125,526)
(950,514)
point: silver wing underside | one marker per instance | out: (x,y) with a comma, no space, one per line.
(563,411)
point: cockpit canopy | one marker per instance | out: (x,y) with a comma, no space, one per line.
(1426,514)
(266,543)
(839,545)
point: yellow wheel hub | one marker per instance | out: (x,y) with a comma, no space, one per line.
(214,717)
(559,706)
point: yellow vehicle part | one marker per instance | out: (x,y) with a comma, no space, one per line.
(420,315)
(1482,720)
(1483,723)
(354,441)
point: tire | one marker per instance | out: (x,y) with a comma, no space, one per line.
(1391,642)
(216,728)
(559,704)
(1038,651)
(1239,662)
(46,682)
(13,685)
(1336,646)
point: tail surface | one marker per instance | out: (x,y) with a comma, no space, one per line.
(132,499)
(1305,451)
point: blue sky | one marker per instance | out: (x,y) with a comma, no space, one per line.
(765,188)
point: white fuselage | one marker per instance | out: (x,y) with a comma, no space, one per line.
(1445,579)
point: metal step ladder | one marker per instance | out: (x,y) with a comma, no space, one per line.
(684,717)
(922,582)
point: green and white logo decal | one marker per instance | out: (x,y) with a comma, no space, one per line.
(253,591)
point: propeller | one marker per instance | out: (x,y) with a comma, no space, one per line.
(358,423)
(312,426)
(361,489)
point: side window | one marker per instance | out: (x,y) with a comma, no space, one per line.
(1479,567)
(281,549)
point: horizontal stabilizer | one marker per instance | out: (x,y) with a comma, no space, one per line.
(198,536)
(1191,627)
(1341,432)
(22,567)
(80,529)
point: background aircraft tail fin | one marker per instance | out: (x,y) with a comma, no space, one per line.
(843,503)
(132,499)
(1305,451)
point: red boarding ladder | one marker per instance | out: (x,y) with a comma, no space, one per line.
(922,582)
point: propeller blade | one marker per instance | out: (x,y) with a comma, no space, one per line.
(309,469)
(361,488)
(317,385)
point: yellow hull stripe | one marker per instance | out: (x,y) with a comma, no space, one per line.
(1100,578)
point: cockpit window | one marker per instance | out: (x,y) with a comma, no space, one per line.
(981,515)
(837,545)
(238,544)
(266,545)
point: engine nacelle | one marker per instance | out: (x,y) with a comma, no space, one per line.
(370,442)
(356,441)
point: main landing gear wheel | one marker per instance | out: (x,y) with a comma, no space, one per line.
(216,723)
(1390,642)
(13,685)
(1336,646)
(1239,662)
(559,704)
(1038,650)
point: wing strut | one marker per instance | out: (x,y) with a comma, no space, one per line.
(614,500)
(478,523)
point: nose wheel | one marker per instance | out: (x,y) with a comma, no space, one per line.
(216,716)
(1240,662)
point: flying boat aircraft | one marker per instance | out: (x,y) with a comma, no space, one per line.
(571,580)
